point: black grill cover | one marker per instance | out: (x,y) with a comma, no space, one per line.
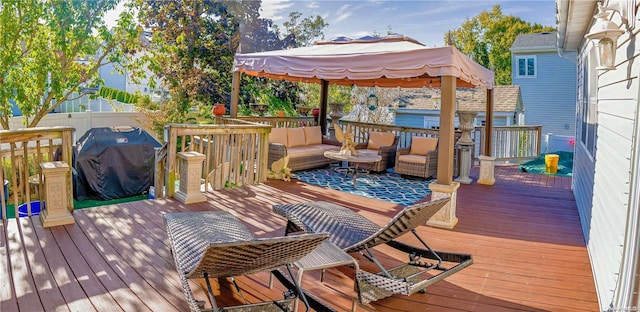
(114,162)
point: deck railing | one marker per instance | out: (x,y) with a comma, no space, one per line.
(21,152)
(509,142)
(282,122)
(361,131)
(235,153)
(512,142)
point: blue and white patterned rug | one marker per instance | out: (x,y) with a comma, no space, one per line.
(390,187)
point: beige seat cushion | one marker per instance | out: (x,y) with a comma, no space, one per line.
(278,135)
(295,137)
(380,139)
(304,151)
(423,145)
(312,135)
(414,159)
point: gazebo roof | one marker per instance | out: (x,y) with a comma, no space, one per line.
(385,62)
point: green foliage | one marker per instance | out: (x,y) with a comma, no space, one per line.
(119,95)
(50,49)
(337,93)
(301,33)
(487,38)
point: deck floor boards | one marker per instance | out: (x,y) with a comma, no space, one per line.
(523,232)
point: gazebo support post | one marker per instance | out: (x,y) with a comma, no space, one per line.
(235,94)
(324,96)
(444,186)
(487,161)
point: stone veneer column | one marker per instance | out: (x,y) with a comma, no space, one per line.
(56,179)
(190,176)
(446,217)
(487,165)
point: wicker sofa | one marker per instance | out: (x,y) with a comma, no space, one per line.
(305,147)
(383,144)
(420,159)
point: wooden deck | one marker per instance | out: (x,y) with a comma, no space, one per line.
(523,232)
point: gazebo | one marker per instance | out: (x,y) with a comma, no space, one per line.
(392,61)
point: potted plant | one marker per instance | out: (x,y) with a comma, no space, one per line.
(303,110)
(219,110)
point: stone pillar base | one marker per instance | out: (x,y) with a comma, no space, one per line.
(55,210)
(446,217)
(487,165)
(190,198)
(61,219)
(465,163)
(190,176)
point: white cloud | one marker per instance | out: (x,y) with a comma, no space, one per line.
(343,13)
(274,9)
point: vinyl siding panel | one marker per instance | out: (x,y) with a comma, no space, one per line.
(617,104)
(112,78)
(409,120)
(583,172)
(416,119)
(549,98)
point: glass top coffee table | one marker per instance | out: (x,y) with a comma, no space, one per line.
(353,160)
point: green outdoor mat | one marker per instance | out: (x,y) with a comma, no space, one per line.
(565,165)
(89,203)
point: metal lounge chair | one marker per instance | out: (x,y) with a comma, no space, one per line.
(355,233)
(215,244)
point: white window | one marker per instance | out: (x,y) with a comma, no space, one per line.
(587,114)
(526,66)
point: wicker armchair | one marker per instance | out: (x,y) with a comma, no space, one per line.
(215,244)
(354,233)
(383,144)
(420,160)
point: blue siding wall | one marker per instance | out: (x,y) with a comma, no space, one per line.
(549,98)
(416,118)
(112,78)
(409,120)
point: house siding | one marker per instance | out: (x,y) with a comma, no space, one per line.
(602,182)
(418,119)
(555,109)
(112,78)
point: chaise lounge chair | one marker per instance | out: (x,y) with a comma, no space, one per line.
(355,233)
(215,244)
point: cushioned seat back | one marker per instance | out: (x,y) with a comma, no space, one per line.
(278,135)
(295,137)
(423,145)
(312,135)
(380,139)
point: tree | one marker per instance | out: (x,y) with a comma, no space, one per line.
(264,35)
(50,50)
(190,52)
(488,37)
(302,33)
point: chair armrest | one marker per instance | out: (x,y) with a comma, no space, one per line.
(276,151)
(330,141)
(432,156)
(403,151)
(362,145)
(387,149)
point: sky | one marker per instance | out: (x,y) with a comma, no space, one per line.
(426,21)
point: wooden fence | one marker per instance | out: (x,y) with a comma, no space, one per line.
(21,152)
(235,153)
